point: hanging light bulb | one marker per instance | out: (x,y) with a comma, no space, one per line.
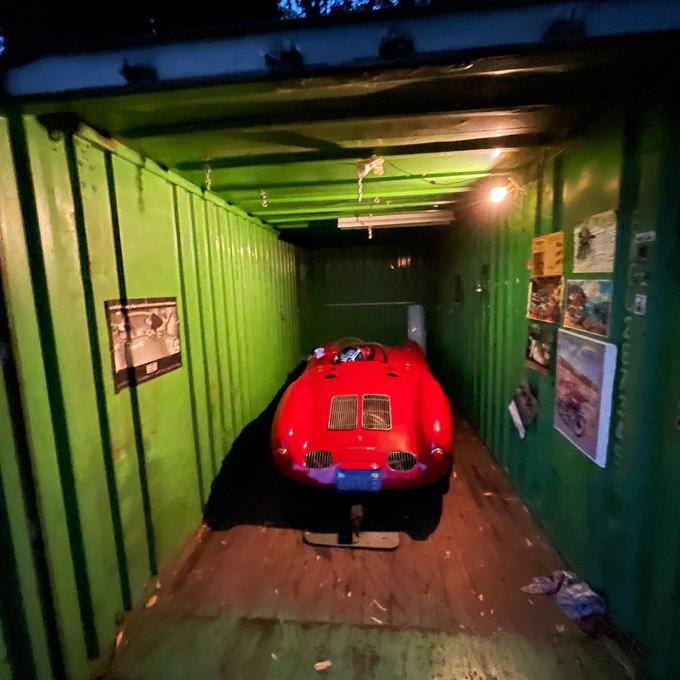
(498,194)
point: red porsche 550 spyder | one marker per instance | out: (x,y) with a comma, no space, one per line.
(364,417)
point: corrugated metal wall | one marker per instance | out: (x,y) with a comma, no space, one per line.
(99,489)
(365,290)
(120,479)
(619,526)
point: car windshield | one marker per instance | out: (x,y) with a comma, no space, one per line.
(364,351)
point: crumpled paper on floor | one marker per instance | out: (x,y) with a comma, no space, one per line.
(573,595)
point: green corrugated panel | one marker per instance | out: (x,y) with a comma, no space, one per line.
(122,451)
(619,527)
(223,406)
(364,291)
(82,463)
(24,628)
(244,303)
(150,258)
(240,318)
(254,302)
(207,310)
(230,376)
(231,313)
(5,668)
(120,477)
(18,559)
(193,336)
(34,393)
(663,522)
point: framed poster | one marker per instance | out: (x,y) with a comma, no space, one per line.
(588,305)
(144,339)
(595,244)
(584,383)
(547,254)
(545,298)
(540,343)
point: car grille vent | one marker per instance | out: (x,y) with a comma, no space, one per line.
(376,412)
(318,459)
(343,414)
(401,461)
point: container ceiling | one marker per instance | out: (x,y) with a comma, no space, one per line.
(286,150)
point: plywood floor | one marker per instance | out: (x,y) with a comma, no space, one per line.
(258,603)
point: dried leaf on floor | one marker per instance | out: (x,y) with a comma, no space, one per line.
(378,605)
(119,639)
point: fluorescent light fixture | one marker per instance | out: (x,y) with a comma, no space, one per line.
(422,218)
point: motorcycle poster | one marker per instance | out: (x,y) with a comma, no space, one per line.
(584,383)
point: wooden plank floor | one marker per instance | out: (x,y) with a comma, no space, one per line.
(259,603)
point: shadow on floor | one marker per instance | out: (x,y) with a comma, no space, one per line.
(249,490)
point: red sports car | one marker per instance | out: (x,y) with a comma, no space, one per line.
(364,417)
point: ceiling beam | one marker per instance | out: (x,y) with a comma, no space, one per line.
(303,117)
(315,217)
(320,216)
(356,154)
(433,177)
(368,195)
(267,214)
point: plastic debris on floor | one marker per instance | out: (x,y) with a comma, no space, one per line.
(573,596)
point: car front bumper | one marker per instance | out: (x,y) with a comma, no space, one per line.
(421,475)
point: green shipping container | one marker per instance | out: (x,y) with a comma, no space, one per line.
(100,487)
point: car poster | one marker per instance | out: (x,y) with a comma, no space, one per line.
(144,339)
(545,298)
(547,254)
(584,383)
(595,244)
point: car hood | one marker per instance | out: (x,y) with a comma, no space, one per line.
(389,398)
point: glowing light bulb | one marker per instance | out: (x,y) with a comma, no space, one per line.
(498,194)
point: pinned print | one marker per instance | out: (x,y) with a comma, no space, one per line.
(595,244)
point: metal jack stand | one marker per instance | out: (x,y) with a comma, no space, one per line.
(351,536)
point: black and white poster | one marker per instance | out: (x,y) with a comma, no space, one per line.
(144,339)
